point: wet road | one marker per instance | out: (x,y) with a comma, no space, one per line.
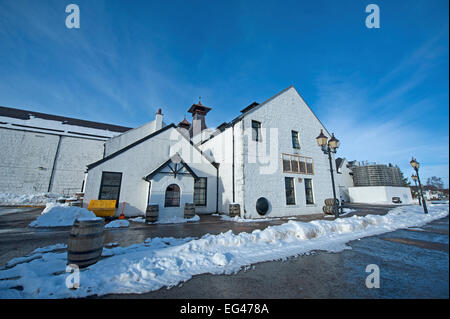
(413,263)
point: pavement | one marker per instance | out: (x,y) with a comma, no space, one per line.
(413,262)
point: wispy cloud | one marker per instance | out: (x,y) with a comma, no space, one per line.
(385,123)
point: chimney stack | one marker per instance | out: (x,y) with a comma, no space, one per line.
(158,120)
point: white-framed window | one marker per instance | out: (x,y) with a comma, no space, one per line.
(289,188)
(297,164)
(309,192)
(295,140)
(200,191)
(256,131)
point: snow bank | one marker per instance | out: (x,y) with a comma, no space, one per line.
(176,220)
(55,215)
(138,219)
(118,223)
(239,219)
(160,262)
(8,199)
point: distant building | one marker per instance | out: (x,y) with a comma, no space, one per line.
(370,183)
(377,175)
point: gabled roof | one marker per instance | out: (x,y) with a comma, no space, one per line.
(107,158)
(253,107)
(126,148)
(176,159)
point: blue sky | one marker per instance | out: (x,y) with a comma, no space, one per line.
(384,92)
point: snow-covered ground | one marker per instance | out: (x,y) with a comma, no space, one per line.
(168,262)
(118,223)
(57,215)
(239,219)
(8,199)
(176,220)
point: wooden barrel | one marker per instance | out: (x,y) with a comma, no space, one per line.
(189,210)
(329,209)
(85,242)
(77,203)
(331,202)
(234,210)
(79,195)
(151,214)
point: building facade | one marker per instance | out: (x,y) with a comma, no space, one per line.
(268,154)
(48,153)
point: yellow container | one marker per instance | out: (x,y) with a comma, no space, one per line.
(102,207)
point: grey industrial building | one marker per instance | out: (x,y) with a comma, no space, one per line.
(377,175)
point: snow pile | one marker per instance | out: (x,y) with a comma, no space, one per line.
(8,199)
(239,219)
(138,219)
(176,220)
(163,262)
(118,223)
(55,215)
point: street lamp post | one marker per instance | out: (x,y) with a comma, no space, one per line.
(415,165)
(329,148)
(414,178)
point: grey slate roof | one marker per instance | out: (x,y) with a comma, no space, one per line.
(25,115)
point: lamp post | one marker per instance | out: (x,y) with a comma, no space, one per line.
(415,165)
(414,178)
(329,148)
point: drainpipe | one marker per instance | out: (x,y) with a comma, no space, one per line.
(217,186)
(233,162)
(54,165)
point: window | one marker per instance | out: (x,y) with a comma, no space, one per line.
(290,190)
(256,131)
(309,191)
(172,196)
(297,164)
(110,186)
(295,142)
(200,192)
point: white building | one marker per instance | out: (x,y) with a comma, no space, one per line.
(267,152)
(380,194)
(344,178)
(48,153)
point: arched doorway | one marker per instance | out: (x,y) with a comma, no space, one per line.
(172,198)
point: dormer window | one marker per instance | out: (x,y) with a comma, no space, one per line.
(295,141)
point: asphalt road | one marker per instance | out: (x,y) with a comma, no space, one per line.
(413,263)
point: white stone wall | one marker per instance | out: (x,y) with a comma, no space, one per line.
(158,192)
(379,194)
(73,157)
(220,150)
(139,161)
(263,173)
(27,160)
